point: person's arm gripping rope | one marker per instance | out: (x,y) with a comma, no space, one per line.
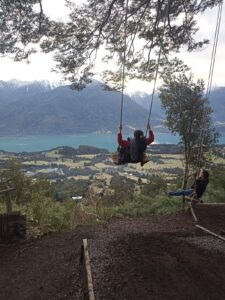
(150,138)
(120,140)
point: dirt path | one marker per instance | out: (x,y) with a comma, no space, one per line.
(42,269)
(134,259)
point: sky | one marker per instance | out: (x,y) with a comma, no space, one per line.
(40,65)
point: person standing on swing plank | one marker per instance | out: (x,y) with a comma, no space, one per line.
(137,145)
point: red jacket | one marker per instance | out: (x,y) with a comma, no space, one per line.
(125,143)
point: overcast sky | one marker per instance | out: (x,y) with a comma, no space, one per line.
(40,65)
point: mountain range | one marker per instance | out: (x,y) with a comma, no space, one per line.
(41,108)
(216,101)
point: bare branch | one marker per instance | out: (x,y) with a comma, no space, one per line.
(40,16)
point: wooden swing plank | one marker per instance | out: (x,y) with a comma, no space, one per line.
(115,158)
(210,232)
(193,213)
(87,266)
(211,204)
(192,199)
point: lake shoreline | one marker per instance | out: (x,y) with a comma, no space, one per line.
(15,144)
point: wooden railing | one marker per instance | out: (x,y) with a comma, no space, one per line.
(8,199)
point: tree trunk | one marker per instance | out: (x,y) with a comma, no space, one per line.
(185,177)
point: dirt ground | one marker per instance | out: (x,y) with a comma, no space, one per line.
(157,257)
(212,217)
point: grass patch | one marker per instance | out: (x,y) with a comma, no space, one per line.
(46,215)
(37,163)
(87,156)
(139,207)
(53,154)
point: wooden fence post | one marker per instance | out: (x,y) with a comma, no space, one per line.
(12,224)
(8,202)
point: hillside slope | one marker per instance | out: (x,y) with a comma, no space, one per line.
(38,108)
(64,111)
(217,102)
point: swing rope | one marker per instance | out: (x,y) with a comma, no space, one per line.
(209,83)
(157,67)
(123,63)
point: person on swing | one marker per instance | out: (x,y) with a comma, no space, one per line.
(201,180)
(136,146)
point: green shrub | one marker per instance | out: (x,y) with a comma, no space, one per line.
(46,214)
(60,215)
(141,206)
(155,185)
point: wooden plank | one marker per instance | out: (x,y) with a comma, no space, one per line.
(88,271)
(210,204)
(8,203)
(193,213)
(192,199)
(12,226)
(210,232)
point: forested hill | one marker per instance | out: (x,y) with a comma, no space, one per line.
(39,108)
(217,102)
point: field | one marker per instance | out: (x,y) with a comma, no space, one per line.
(166,165)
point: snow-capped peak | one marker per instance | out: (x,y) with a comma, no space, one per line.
(138,94)
(48,85)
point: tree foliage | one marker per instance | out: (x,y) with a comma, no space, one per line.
(186,107)
(13,177)
(22,24)
(152,26)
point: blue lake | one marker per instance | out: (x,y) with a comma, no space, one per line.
(106,141)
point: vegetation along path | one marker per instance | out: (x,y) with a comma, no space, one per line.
(157,257)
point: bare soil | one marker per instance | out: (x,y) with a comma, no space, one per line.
(212,217)
(133,259)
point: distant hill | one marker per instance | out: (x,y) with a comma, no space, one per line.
(81,150)
(40,108)
(36,108)
(15,90)
(217,102)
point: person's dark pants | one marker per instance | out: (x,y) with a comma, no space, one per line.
(187,192)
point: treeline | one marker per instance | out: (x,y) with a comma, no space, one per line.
(48,205)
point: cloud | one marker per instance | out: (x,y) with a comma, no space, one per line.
(200,61)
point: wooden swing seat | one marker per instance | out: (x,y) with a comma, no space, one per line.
(193,199)
(116,160)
